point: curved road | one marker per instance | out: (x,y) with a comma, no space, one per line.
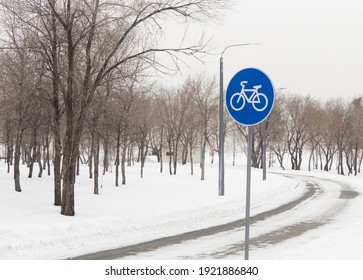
(270,227)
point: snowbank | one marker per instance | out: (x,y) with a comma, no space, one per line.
(156,206)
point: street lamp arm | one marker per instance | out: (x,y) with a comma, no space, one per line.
(221,119)
(237,45)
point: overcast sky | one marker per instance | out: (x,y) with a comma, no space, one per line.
(312,47)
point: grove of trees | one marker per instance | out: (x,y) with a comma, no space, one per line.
(327,134)
(74,55)
(75,89)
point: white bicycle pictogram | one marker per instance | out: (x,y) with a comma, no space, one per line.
(258,100)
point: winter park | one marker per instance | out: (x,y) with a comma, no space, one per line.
(122,138)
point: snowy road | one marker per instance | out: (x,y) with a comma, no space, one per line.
(318,206)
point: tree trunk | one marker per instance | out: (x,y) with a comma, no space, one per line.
(68,187)
(310,158)
(44,153)
(299,159)
(281,161)
(161,156)
(138,155)
(78,165)
(331,162)
(17,161)
(202,160)
(130,155)
(73,128)
(143,153)
(117,161)
(123,163)
(355,160)
(71,154)
(185,154)
(92,152)
(340,162)
(348,161)
(24,155)
(9,146)
(191,158)
(9,155)
(321,161)
(33,152)
(96,164)
(39,162)
(175,156)
(360,162)
(105,159)
(69,168)
(170,156)
(56,127)
(316,162)
(57,162)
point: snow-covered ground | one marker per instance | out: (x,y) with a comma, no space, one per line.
(162,205)
(340,239)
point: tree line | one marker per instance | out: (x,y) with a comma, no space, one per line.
(329,134)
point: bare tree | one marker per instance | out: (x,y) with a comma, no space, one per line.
(327,130)
(276,129)
(342,130)
(204,93)
(121,107)
(357,141)
(353,128)
(20,77)
(81,22)
(298,121)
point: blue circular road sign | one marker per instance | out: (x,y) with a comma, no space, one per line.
(250,96)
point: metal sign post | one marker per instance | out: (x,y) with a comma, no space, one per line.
(249,100)
(221,132)
(264,140)
(248,193)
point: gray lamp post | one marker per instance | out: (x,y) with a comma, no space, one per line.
(221,120)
